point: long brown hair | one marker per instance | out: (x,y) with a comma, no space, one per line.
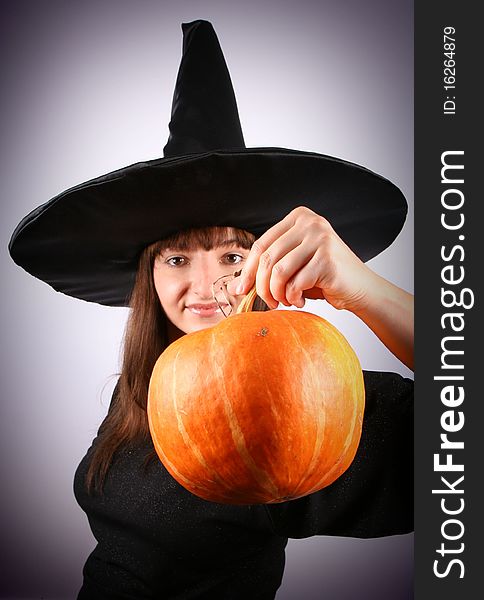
(144,340)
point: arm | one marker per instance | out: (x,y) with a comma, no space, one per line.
(303,257)
(388,312)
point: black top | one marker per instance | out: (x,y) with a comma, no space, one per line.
(157,540)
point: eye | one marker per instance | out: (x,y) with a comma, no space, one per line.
(232,258)
(176,261)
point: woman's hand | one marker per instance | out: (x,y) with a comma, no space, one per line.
(303,257)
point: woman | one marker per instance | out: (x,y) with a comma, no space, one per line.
(153,536)
(97,242)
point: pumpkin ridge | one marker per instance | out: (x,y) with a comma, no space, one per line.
(320,432)
(357,382)
(262,478)
(176,473)
(190,445)
(166,462)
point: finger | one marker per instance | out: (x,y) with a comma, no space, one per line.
(274,263)
(290,263)
(261,245)
(305,283)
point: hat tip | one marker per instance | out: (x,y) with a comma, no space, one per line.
(198,23)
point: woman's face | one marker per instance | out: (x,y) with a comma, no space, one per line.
(184,284)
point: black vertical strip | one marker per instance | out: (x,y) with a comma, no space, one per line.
(449,261)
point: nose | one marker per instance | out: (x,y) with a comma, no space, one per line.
(205,277)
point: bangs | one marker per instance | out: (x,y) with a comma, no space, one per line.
(206,238)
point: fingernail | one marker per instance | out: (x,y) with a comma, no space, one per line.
(240,288)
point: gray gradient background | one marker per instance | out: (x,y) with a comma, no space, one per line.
(87,88)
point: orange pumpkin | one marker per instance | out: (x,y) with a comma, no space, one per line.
(264,407)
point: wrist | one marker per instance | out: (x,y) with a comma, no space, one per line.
(367,295)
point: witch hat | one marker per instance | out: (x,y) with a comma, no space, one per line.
(86,242)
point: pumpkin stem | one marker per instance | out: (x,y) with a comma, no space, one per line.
(247,302)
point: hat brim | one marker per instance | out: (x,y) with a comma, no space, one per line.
(86,242)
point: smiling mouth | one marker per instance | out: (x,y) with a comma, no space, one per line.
(206,310)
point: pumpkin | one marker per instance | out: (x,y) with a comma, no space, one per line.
(261,408)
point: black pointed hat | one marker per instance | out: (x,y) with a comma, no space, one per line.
(86,242)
